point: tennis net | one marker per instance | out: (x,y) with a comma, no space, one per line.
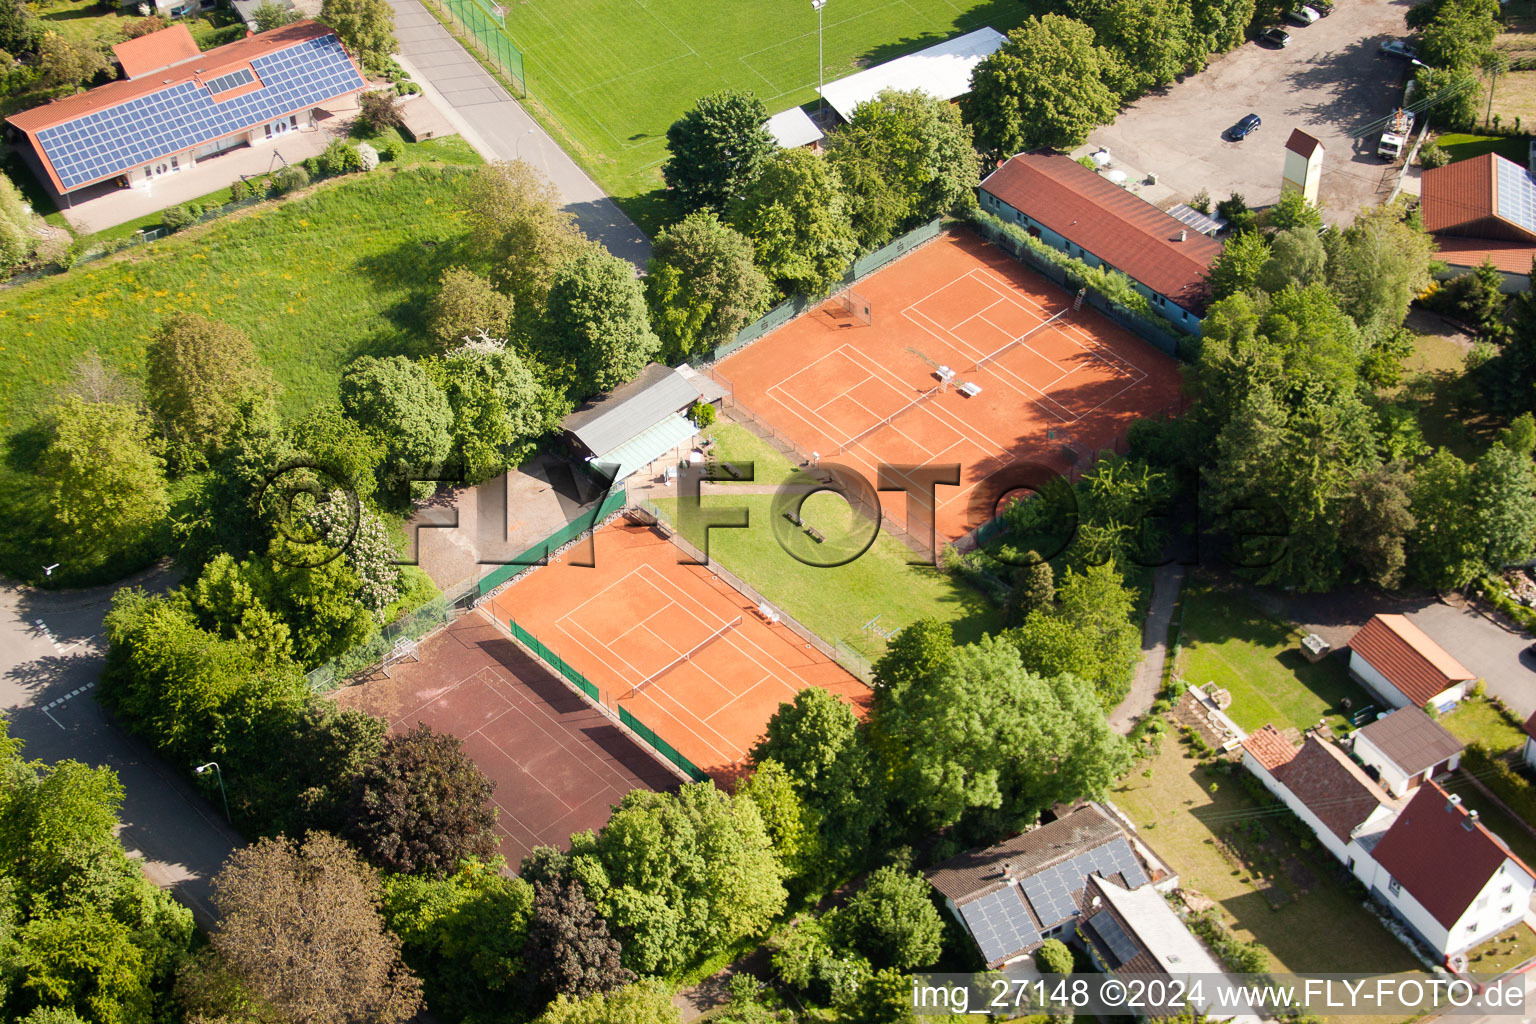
(861,435)
(1042,325)
(669,666)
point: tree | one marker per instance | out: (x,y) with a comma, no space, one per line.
(465,305)
(466,936)
(519,226)
(197,372)
(67,63)
(1154,40)
(103,484)
(1023,743)
(1045,86)
(1380,264)
(1378,518)
(891,921)
(422,806)
(1503,486)
(1296,257)
(366,27)
(569,951)
(17,241)
(299,924)
(1454,94)
(1508,380)
(645,1002)
(1459,34)
(702,285)
(680,875)
(1476,298)
(1053,957)
(94,380)
(17,26)
(319,595)
(86,961)
(499,409)
(1237,268)
(1090,635)
(272,15)
(1294,210)
(1444,545)
(365,544)
(790,822)
(796,216)
(918,144)
(1034,588)
(717,150)
(597,325)
(350,453)
(397,401)
(1220,24)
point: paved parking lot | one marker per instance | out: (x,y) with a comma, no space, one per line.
(1329,82)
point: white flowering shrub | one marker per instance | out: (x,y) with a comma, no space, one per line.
(370,554)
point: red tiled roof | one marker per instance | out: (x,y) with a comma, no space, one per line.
(1530,727)
(1269,748)
(209,65)
(1331,786)
(156,50)
(1302,144)
(1441,855)
(1510,257)
(1408,658)
(1126,232)
(1458,193)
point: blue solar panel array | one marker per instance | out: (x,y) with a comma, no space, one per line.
(1052,892)
(233,80)
(1517,195)
(184,115)
(1000,924)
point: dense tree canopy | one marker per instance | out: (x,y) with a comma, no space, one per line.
(702,285)
(465,305)
(500,409)
(398,402)
(519,225)
(197,372)
(717,150)
(367,27)
(598,329)
(1046,86)
(891,920)
(796,215)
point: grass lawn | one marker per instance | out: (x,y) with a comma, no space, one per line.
(1462,146)
(1228,641)
(316,281)
(1324,928)
(1505,951)
(1477,720)
(615,110)
(835,603)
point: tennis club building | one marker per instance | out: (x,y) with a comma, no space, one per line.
(176,106)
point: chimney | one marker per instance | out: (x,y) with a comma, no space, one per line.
(1183,235)
(1470,822)
(1452,802)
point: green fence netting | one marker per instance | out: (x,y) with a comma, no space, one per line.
(555,662)
(484,25)
(661,746)
(541,551)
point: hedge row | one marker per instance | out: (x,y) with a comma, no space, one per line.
(1497,773)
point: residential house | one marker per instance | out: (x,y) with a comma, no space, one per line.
(1482,208)
(638,422)
(1528,752)
(1330,793)
(1089,217)
(1403,667)
(1405,749)
(177,106)
(1013,896)
(1453,882)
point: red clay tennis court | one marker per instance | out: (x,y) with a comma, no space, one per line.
(559,765)
(1047,382)
(673,645)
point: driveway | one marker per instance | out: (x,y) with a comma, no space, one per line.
(499,129)
(1330,82)
(50,657)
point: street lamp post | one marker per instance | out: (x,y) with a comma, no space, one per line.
(218,774)
(821,63)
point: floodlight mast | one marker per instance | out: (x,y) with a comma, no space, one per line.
(821,64)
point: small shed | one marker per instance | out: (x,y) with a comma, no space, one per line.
(1398,662)
(1406,749)
(794,129)
(1303,165)
(637,423)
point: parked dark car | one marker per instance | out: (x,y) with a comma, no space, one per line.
(1322,7)
(1276,36)
(1244,128)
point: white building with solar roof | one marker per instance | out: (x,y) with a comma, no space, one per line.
(176,106)
(1013,896)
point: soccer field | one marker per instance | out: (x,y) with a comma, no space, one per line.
(616,73)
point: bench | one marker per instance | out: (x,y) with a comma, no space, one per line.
(814,534)
(792,518)
(969,389)
(731,470)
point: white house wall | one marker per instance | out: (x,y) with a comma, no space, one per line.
(1377,682)
(1351,854)
(1494,909)
(1393,780)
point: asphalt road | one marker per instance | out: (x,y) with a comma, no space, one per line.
(50,657)
(498,128)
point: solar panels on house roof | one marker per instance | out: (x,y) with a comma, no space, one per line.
(1000,924)
(1517,194)
(1052,892)
(1121,946)
(233,80)
(185,114)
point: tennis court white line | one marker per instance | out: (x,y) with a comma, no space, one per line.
(1094,342)
(601,648)
(1042,396)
